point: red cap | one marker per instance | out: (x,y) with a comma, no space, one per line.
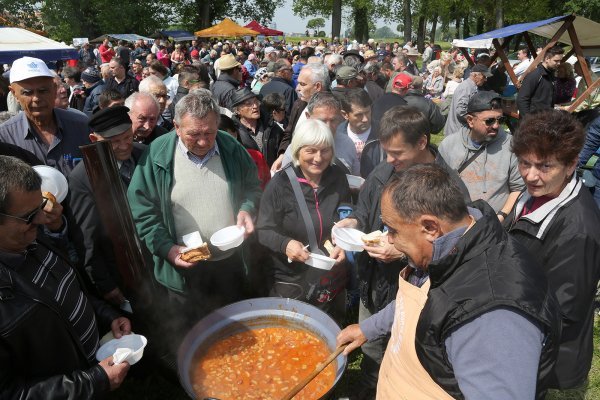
(194,53)
(402,81)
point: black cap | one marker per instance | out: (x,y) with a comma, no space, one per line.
(482,69)
(241,95)
(482,101)
(111,121)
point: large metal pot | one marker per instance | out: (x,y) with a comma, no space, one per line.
(254,314)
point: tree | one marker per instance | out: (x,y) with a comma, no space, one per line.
(384,33)
(316,23)
(20,13)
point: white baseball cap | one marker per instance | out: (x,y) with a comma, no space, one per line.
(29,67)
(270,49)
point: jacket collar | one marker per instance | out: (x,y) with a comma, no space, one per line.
(544,215)
(163,148)
(279,79)
(486,232)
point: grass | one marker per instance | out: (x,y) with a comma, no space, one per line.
(594,376)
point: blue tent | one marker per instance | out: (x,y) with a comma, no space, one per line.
(588,32)
(178,36)
(514,29)
(16,43)
(128,37)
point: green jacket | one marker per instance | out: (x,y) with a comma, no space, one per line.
(149,196)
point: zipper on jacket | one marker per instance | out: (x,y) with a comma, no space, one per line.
(319,214)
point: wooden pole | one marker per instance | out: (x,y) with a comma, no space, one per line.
(504,58)
(540,57)
(532,49)
(579,54)
(584,95)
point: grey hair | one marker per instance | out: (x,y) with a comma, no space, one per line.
(336,59)
(311,132)
(134,97)
(426,189)
(353,61)
(16,176)
(323,99)
(371,68)
(152,81)
(198,103)
(319,73)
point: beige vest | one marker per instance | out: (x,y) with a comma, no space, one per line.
(401,375)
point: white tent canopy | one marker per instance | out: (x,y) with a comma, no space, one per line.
(16,43)
(473,44)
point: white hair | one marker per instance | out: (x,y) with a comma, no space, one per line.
(133,98)
(311,132)
(197,103)
(336,59)
(151,82)
(318,73)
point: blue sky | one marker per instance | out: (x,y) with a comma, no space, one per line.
(286,21)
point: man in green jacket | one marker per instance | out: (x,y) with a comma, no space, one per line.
(194,179)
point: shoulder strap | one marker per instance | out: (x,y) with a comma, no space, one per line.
(308,224)
(470,160)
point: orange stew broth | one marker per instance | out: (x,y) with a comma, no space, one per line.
(262,364)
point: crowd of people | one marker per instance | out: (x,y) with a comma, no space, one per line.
(483,286)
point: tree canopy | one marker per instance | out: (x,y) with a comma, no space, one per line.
(66,19)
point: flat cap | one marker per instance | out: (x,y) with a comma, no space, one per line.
(111,121)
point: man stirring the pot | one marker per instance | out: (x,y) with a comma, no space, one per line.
(465,322)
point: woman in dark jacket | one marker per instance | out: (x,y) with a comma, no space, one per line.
(282,230)
(256,131)
(557,220)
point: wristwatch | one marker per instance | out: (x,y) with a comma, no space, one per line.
(504,215)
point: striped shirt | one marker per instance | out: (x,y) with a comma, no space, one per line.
(58,280)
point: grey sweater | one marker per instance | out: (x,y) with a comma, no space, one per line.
(493,175)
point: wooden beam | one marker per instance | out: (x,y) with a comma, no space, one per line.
(579,53)
(569,53)
(584,96)
(540,57)
(504,58)
(532,49)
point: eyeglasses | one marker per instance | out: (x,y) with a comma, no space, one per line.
(162,96)
(492,121)
(28,219)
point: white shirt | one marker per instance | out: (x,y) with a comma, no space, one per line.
(359,139)
(521,67)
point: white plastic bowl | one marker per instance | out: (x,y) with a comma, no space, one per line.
(134,342)
(348,239)
(319,261)
(53,181)
(228,238)
(355,182)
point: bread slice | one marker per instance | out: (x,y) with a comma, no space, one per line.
(196,254)
(328,246)
(373,238)
(51,201)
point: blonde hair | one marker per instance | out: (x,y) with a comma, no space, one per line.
(311,132)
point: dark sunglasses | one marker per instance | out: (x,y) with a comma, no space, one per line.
(492,121)
(28,219)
